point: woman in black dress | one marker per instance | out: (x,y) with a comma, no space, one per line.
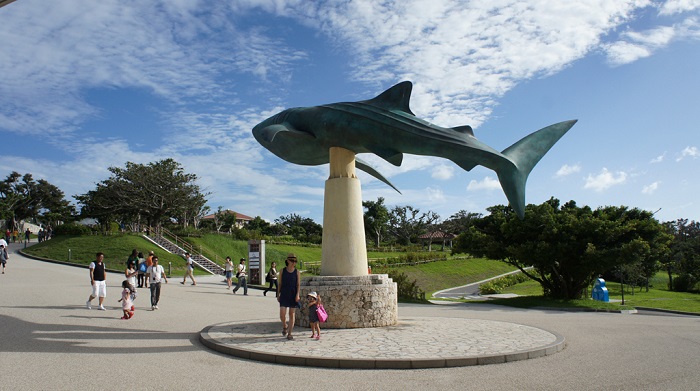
(288,294)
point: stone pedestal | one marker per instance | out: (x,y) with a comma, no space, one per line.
(351,301)
(343,249)
(351,297)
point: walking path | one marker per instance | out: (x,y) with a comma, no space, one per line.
(49,340)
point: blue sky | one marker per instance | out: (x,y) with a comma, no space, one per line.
(88,85)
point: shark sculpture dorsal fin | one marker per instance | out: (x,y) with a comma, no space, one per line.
(396,98)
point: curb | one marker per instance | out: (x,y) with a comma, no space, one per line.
(371,363)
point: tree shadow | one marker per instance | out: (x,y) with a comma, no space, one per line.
(28,337)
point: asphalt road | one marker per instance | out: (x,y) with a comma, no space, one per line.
(50,341)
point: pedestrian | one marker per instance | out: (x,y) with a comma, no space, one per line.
(98,280)
(288,294)
(149,263)
(134,257)
(15,235)
(3,256)
(190,270)
(272,278)
(314,300)
(156,273)
(242,278)
(27,235)
(228,270)
(127,304)
(141,269)
(131,274)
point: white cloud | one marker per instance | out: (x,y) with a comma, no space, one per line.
(566,170)
(650,189)
(658,159)
(443,172)
(635,45)
(688,152)
(671,7)
(487,183)
(604,180)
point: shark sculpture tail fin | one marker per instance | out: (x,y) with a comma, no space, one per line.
(524,155)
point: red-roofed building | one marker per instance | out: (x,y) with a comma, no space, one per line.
(437,236)
(241,219)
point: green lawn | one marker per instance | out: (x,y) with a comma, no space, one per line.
(435,276)
(657,297)
(116,248)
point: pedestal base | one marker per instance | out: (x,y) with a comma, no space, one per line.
(352,301)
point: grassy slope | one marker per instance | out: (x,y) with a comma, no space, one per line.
(116,248)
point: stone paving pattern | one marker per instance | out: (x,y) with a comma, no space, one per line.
(416,342)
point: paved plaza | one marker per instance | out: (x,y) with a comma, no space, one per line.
(50,341)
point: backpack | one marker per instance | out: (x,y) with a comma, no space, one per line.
(143,267)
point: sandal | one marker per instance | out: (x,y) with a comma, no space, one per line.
(284,331)
(289,337)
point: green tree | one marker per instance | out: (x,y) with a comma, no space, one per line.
(459,222)
(21,197)
(301,228)
(566,245)
(376,217)
(406,223)
(684,257)
(156,192)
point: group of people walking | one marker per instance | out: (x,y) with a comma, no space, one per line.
(146,272)
(139,270)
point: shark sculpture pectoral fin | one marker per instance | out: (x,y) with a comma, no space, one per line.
(362,165)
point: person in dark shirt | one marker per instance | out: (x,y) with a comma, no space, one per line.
(98,281)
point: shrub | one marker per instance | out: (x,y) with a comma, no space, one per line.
(407,290)
(72,230)
(499,284)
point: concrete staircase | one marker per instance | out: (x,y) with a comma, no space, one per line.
(173,244)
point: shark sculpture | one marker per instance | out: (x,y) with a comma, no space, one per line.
(386,127)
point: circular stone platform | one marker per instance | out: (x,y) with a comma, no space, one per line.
(415,342)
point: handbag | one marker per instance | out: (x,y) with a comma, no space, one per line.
(321,312)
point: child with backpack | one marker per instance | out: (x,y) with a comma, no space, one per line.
(314,322)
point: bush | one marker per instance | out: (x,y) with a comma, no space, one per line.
(408,259)
(407,290)
(684,283)
(498,285)
(72,230)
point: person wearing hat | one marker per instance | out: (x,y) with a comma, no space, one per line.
(288,294)
(314,300)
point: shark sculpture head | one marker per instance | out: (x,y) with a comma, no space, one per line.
(278,135)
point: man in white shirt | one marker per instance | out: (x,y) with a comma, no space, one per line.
(190,270)
(156,273)
(242,278)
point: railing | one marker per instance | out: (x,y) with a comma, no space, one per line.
(197,255)
(164,232)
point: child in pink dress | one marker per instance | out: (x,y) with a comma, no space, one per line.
(127,305)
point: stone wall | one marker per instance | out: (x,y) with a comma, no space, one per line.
(352,301)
